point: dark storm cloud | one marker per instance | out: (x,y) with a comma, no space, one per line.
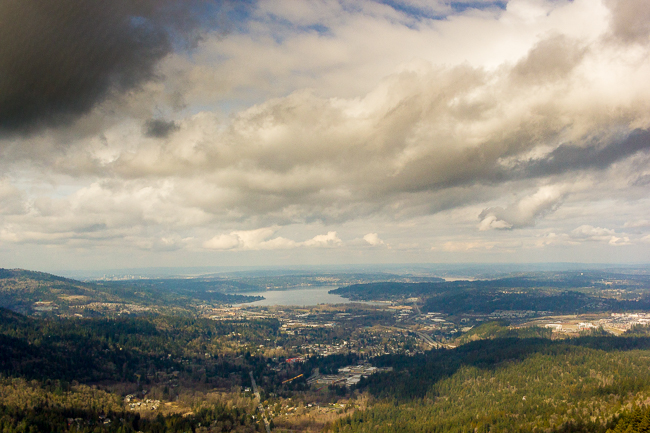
(488,165)
(566,158)
(157,128)
(58,59)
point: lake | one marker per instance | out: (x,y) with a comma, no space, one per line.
(298,297)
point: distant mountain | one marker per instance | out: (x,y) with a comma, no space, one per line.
(561,292)
(198,285)
(31,292)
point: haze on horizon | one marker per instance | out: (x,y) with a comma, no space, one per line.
(207,133)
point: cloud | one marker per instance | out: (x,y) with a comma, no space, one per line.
(327,114)
(248,240)
(552,238)
(101,213)
(172,242)
(462,246)
(584,234)
(224,242)
(597,155)
(526,211)
(422,131)
(587,233)
(59,60)
(261,239)
(157,128)
(630,20)
(324,241)
(373,239)
(642,223)
(12,200)
(552,59)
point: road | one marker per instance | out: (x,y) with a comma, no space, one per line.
(426,338)
(259,405)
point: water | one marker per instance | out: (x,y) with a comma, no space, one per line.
(298,297)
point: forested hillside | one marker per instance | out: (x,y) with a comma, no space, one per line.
(562,293)
(509,384)
(91,350)
(56,407)
(32,292)
(191,372)
(44,364)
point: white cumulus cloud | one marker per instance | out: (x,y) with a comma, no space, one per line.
(598,234)
(373,239)
(262,239)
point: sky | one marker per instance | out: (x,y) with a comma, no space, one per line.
(281,132)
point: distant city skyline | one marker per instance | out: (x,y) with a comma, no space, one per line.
(169,133)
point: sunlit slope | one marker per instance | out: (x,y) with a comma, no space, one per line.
(509,384)
(32,292)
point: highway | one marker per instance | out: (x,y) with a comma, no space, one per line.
(259,404)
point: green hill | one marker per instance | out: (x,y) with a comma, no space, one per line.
(508,384)
(30,292)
